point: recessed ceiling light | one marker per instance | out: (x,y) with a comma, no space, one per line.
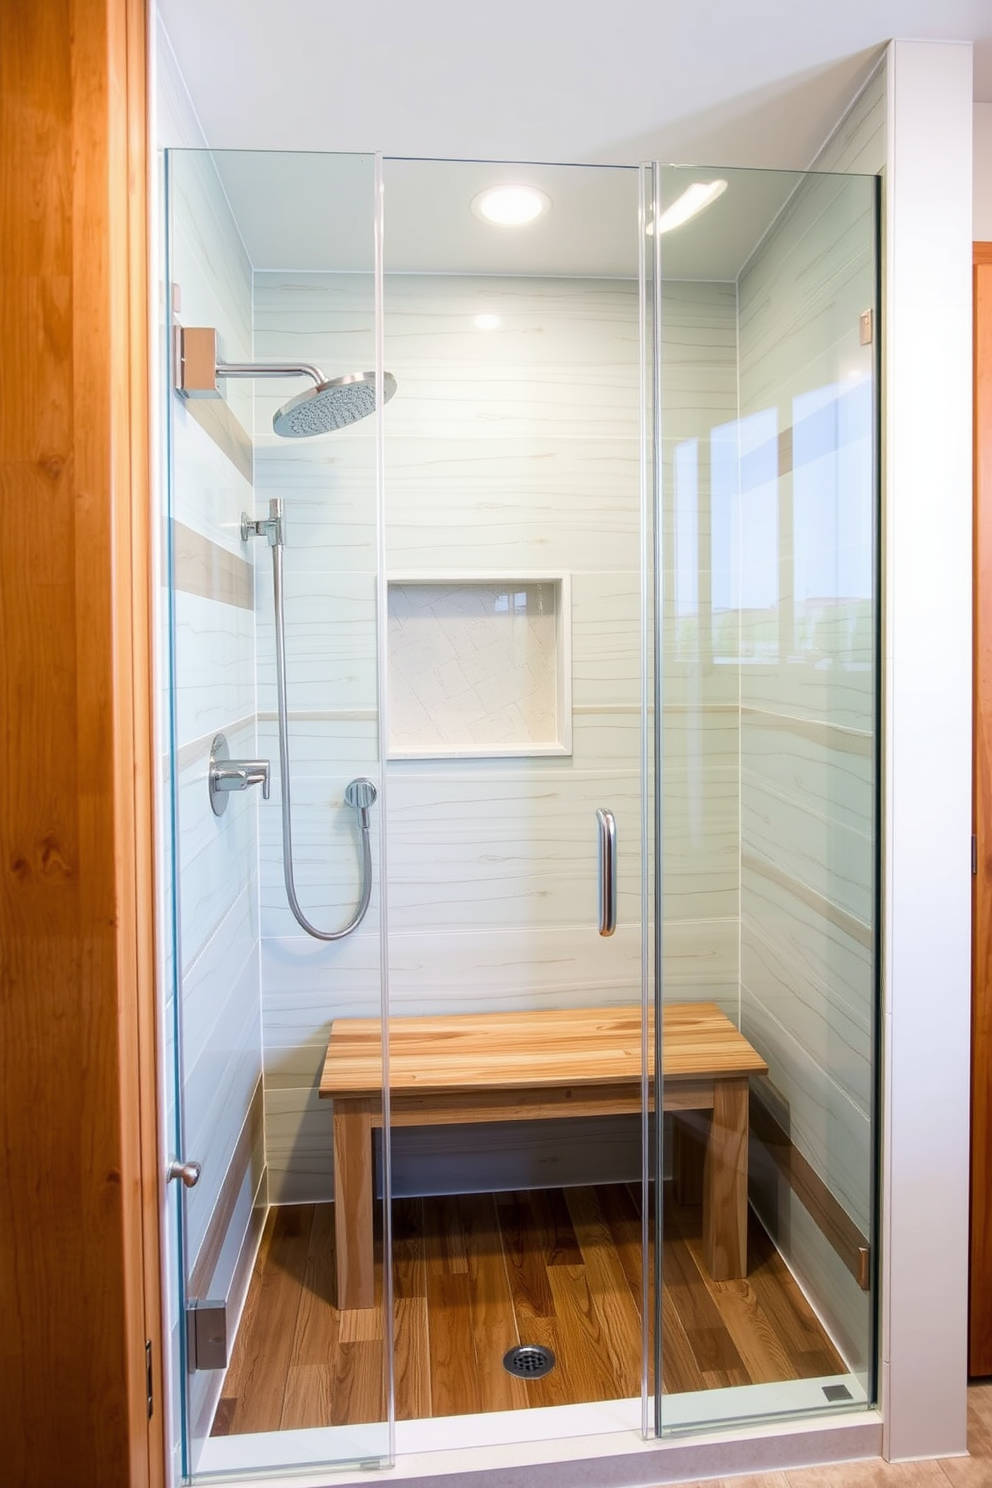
(511,206)
(486,322)
(695,199)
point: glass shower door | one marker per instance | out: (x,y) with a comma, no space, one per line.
(271,275)
(518,575)
(768,774)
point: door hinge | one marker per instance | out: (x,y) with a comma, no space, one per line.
(149,1391)
(206,1334)
(866,327)
(974,853)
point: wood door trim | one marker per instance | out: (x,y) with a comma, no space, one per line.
(980,1299)
(80,1182)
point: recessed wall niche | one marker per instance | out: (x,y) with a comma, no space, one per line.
(479,665)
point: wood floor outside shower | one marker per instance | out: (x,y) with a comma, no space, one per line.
(475,1275)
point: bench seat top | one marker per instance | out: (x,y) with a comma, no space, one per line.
(521,1050)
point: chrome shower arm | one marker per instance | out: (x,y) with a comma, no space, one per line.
(269,369)
(198,367)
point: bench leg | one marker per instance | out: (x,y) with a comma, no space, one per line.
(725,1183)
(353,1203)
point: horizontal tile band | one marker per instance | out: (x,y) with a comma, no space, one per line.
(248,1157)
(820,731)
(585,710)
(197,749)
(204,568)
(216,419)
(323,715)
(827,1213)
(857,929)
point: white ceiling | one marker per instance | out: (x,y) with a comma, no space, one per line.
(720,82)
(311,211)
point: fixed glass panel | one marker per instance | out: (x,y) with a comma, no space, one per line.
(770,793)
(517,560)
(272,550)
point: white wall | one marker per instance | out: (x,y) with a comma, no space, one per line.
(927,884)
(982,223)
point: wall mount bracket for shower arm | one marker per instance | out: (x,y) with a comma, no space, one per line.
(198,369)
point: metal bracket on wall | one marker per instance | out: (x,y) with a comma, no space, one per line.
(206,1335)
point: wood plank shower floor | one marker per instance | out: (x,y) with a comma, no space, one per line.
(477,1274)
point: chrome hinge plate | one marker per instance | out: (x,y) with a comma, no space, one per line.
(206,1335)
(866,327)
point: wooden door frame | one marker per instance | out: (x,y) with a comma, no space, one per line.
(980,1292)
(80,1180)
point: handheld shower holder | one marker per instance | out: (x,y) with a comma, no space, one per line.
(271,526)
(361,794)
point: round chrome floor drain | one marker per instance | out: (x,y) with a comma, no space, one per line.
(529,1361)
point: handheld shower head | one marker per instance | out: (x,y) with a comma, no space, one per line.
(331,405)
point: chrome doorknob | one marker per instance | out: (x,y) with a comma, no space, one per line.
(188,1172)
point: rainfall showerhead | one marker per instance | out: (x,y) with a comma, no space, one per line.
(331,405)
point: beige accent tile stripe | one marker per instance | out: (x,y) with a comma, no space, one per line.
(834,735)
(249,1156)
(827,1213)
(215,418)
(205,568)
(850,924)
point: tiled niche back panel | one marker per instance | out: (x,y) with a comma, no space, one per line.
(475,667)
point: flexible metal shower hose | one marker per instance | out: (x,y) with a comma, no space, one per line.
(287,810)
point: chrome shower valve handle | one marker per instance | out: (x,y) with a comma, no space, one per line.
(225,775)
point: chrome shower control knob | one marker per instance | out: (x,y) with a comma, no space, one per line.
(188,1172)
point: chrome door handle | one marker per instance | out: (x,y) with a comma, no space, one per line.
(607,871)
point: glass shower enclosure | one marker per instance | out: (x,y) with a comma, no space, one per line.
(580,661)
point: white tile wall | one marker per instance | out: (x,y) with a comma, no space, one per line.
(512,450)
(808,681)
(215,691)
(328,489)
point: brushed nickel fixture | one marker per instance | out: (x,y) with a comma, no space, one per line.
(187,1172)
(529,1361)
(360,794)
(607,871)
(332,403)
(225,775)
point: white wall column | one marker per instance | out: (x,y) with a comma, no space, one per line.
(927,767)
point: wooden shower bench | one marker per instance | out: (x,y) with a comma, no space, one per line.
(473,1067)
